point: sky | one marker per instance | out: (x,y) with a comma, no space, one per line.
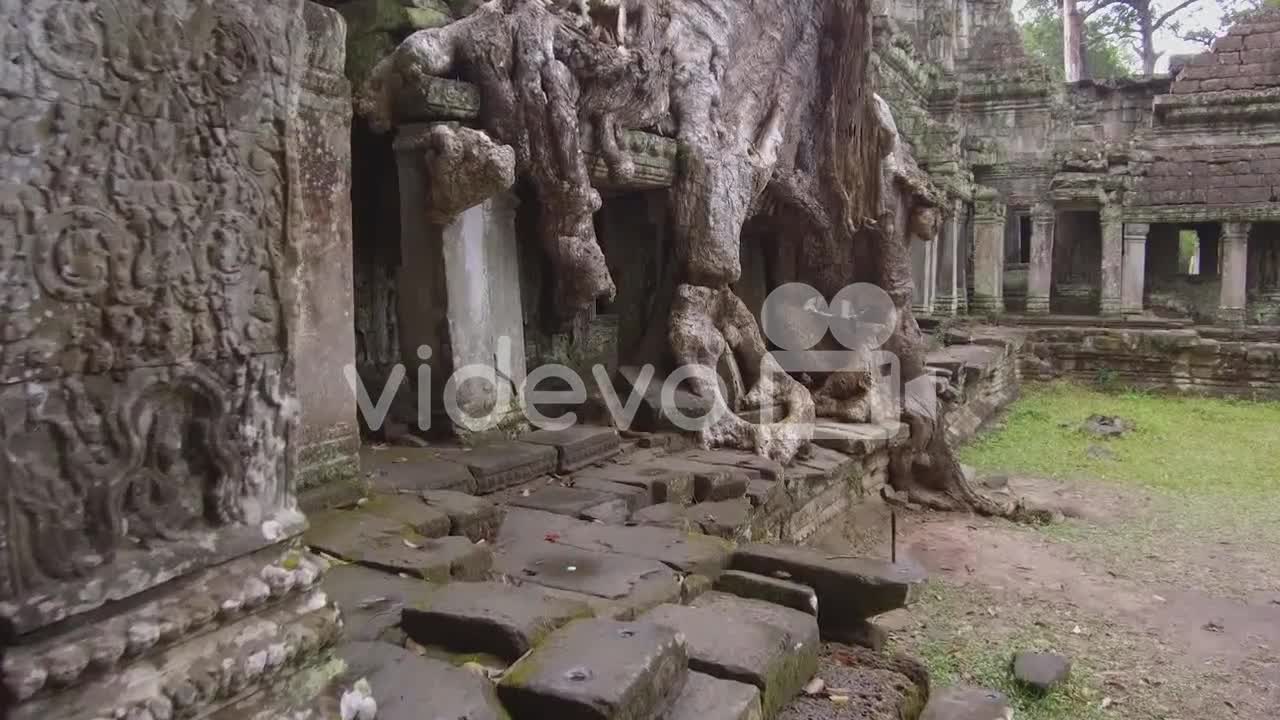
(1205,13)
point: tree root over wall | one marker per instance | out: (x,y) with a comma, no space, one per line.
(773,105)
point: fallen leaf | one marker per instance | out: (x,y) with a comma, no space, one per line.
(839,699)
(370,601)
(410,545)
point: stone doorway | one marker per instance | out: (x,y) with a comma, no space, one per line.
(1181,275)
(1077,263)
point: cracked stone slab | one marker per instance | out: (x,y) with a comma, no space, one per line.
(854,587)
(411,511)
(385,544)
(598,670)
(772,648)
(688,553)
(371,600)
(405,684)
(578,446)
(469,516)
(769,589)
(633,581)
(664,484)
(412,470)
(502,464)
(561,500)
(488,617)
(709,698)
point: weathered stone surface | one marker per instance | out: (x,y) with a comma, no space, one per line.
(571,501)
(967,703)
(768,646)
(727,518)
(502,464)
(609,512)
(378,542)
(598,670)
(764,493)
(371,600)
(663,483)
(577,446)
(412,470)
(854,631)
(769,589)
(688,553)
(1041,671)
(753,465)
(634,497)
(664,515)
(495,618)
(406,685)
(411,511)
(859,438)
(469,516)
(708,698)
(635,582)
(852,588)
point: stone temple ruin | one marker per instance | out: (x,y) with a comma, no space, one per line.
(225,226)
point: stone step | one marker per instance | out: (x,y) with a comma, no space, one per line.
(754,465)
(412,470)
(406,685)
(503,464)
(768,646)
(498,619)
(769,589)
(561,500)
(578,446)
(728,519)
(634,497)
(385,544)
(709,698)
(663,483)
(860,439)
(631,584)
(411,511)
(598,670)
(472,517)
(848,588)
(371,600)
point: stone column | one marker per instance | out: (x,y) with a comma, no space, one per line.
(1112,259)
(1235,269)
(1135,267)
(1040,272)
(988,252)
(924,273)
(459,281)
(947,281)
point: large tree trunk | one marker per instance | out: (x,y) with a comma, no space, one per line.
(774,107)
(1072,41)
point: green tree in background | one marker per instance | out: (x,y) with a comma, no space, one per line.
(1105,57)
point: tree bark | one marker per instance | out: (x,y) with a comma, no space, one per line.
(1072,41)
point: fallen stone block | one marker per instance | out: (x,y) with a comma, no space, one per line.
(755,466)
(1041,671)
(371,600)
(726,519)
(663,515)
(412,470)
(967,703)
(634,496)
(386,544)
(609,512)
(487,617)
(764,493)
(571,501)
(747,641)
(855,631)
(411,511)
(859,439)
(598,670)
(663,484)
(578,446)
(847,587)
(769,589)
(828,463)
(708,698)
(503,464)
(405,684)
(472,517)
(632,582)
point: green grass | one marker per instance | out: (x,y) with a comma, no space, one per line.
(1194,447)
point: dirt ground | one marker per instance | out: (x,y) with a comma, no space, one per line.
(1161,621)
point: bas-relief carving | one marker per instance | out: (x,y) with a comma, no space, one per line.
(144,396)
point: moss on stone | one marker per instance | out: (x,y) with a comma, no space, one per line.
(787,678)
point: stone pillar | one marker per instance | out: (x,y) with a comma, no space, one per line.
(1135,267)
(458,291)
(950,256)
(1235,269)
(988,252)
(1040,272)
(924,254)
(176,210)
(1112,259)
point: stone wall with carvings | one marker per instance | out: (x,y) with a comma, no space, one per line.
(173,183)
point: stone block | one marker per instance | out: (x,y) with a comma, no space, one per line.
(609,512)
(561,500)
(405,685)
(385,544)
(754,465)
(502,464)
(769,589)
(634,581)
(633,497)
(598,670)
(709,698)
(727,519)
(411,511)
(472,517)
(855,588)
(967,703)
(371,600)
(663,515)
(663,483)
(412,470)
(577,446)
(493,618)
(768,646)
(764,493)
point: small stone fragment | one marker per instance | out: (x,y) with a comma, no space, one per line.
(1041,671)
(967,703)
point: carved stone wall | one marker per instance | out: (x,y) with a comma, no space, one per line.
(170,168)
